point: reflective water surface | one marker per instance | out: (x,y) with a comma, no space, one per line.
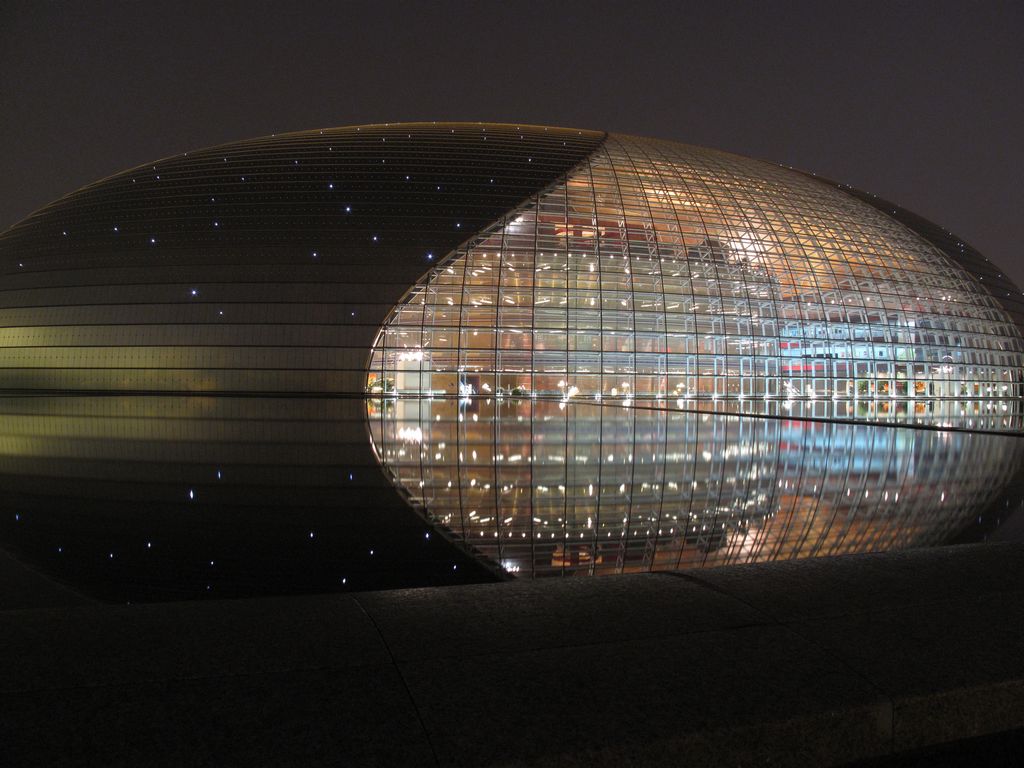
(132,498)
(547,487)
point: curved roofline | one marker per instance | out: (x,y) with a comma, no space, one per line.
(290,134)
(965,256)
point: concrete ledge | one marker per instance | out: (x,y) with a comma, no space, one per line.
(819,662)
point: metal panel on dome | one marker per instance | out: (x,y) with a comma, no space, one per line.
(260,266)
(573,353)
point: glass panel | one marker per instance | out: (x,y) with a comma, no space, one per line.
(678,357)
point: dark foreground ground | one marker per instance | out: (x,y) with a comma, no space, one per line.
(914,658)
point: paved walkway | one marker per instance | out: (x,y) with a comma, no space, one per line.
(815,662)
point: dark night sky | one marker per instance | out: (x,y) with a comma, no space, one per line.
(920,102)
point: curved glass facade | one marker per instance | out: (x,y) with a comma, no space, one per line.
(546,489)
(628,371)
(568,351)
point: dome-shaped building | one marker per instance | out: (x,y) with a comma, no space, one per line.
(570,351)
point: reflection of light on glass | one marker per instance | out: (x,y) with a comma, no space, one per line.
(410,434)
(684,288)
(755,489)
(747,246)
